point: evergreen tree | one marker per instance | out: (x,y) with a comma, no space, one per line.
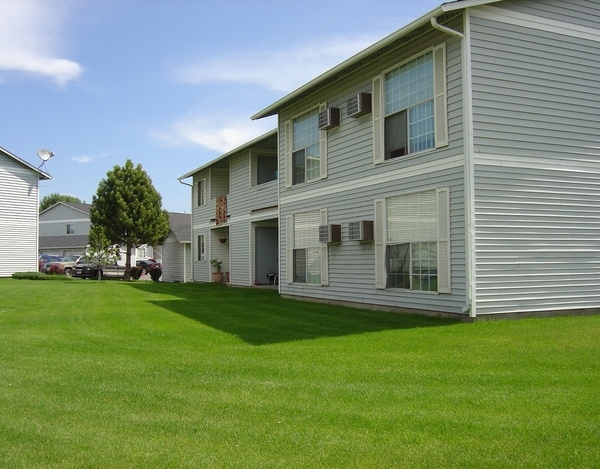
(53,199)
(129,210)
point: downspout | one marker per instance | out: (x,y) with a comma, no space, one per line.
(191,237)
(468,155)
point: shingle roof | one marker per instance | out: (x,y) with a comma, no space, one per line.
(181,226)
(64,242)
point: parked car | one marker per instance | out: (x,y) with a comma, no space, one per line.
(146,265)
(67,264)
(45,258)
(85,270)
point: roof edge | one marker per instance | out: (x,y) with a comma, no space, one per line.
(230,153)
(421,21)
(43,174)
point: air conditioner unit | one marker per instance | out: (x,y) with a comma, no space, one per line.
(360,230)
(329,118)
(330,233)
(359,105)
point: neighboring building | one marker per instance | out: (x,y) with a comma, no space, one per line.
(177,249)
(451,168)
(19,202)
(234,214)
(64,229)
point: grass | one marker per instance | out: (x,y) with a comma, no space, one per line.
(114,374)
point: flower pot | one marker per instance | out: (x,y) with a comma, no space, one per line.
(217,277)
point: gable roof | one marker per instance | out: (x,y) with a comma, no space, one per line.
(367,56)
(83,208)
(181,226)
(41,174)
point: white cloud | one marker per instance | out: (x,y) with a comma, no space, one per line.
(30,39)
(82,159)
(220,134)
(280,70)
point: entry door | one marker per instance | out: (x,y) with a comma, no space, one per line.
(266,253)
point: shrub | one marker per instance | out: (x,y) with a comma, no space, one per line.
(55,269)
(155,273)
(136,273)
(38,276)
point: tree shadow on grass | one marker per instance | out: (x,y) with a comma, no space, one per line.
(261,317)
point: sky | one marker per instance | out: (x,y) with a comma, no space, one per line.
(168,84)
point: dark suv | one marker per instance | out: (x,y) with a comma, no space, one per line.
(85,270)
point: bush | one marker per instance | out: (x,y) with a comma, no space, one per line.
(55,269)
(37,276)
(155,273)
(136,273)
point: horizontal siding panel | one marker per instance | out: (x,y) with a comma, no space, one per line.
(534,92)
(583,13)
(537,236)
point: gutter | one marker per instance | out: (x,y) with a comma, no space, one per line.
(468,149)
(191,236)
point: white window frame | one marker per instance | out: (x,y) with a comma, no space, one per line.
(201,246)
(254,160)
(438,232)
(70,229)
(289,148)
(307,240)
(440,107)
(201,192)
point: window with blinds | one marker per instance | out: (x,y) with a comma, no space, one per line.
(307,248)
(414,252)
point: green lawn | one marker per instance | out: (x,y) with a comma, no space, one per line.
(134,375)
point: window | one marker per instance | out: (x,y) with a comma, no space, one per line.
(409,122)
(409,107)
(70,229)
(306,158)
(264,168)
(201,192)
(306,256)
(412,241)
(201,255)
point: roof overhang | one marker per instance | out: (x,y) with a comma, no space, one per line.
(41,174)
(365,56)
(244,147)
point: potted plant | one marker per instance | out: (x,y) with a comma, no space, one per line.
(217,274)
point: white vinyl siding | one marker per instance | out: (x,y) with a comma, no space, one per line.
(18,217)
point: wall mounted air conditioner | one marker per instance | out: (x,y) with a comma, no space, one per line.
(360,230)
(359,105)
(329,118)
(330,233)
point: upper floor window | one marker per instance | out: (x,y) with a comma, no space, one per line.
(409,108)
(201,192)
(264,168)
(70,229)
(306,155)
(409,116)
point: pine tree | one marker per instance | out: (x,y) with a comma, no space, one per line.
(129,210)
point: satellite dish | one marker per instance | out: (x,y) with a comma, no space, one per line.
(45,155)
